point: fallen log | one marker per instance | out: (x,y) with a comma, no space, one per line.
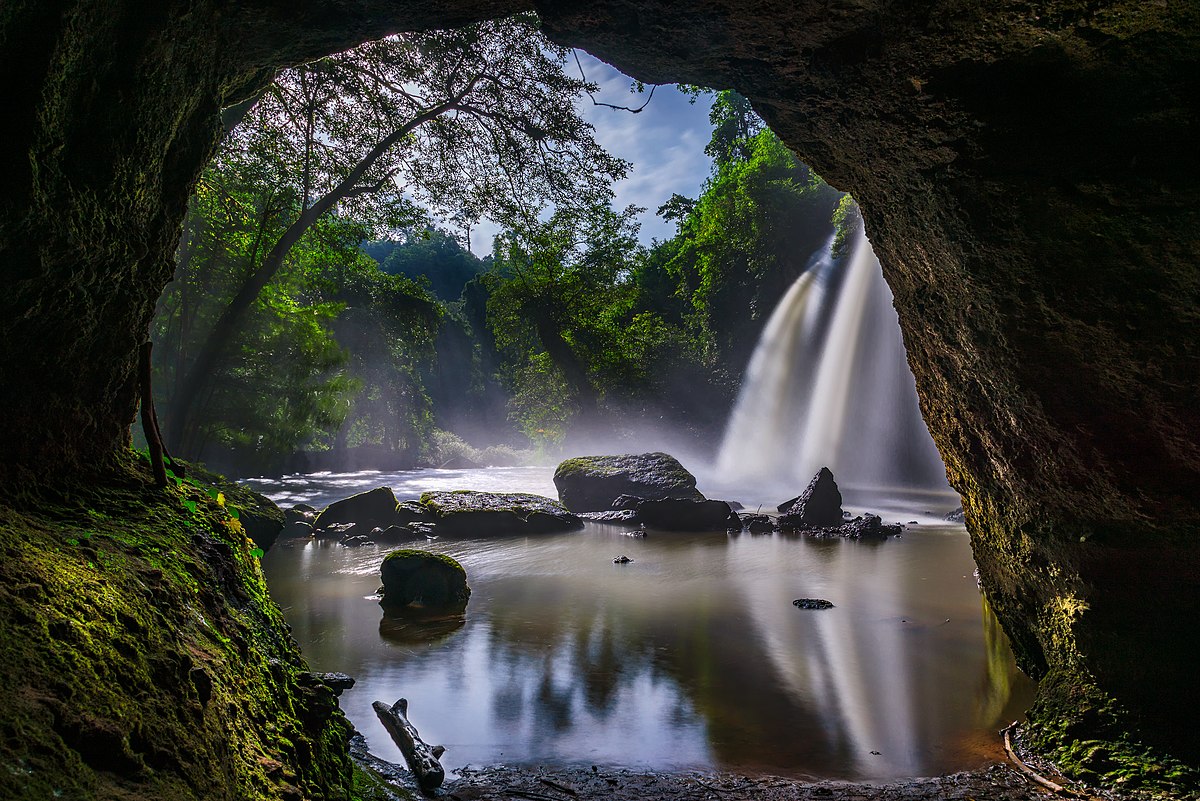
(421,757)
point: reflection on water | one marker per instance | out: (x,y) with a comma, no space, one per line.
(692,656)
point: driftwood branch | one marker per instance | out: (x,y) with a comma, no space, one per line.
(421,757)
(1027,771)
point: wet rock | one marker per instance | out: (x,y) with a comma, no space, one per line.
(812,603)
(304,507)
(297,515)
(337,531)
(356,541)
(622,560)
(408,512)
(298,528)
(420,578)
(819,505)
(374,508)
(467,513)
(682,514)
(735,506)
(957,516)
(757,524)
(592,483)
(626,517)
(863,527)
(338,682)
(395,534)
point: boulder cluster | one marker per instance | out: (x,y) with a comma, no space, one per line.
(376,517)
(653,490)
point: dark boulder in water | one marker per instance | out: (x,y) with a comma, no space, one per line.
(420,578)
(812,603)
(758,524)
(863,527)
(819,505)
(592,483)
(681,514)
(467,513)
(369,509)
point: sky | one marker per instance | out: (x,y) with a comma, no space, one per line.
(664,142)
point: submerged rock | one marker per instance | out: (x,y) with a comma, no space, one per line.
(467,513)
(592,483)
(819,505)
(420,578)
(681,514)
(812,603)
(368,509)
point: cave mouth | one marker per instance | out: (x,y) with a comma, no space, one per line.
(1012,169)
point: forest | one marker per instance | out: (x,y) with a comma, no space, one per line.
(326,311)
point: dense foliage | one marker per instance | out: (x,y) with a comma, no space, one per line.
(368,334)
(475,122)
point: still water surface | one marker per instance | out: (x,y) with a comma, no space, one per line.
(692,656)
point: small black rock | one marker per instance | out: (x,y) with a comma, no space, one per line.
(812,603)
(622,560)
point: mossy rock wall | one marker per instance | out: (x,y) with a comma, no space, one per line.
(142,657)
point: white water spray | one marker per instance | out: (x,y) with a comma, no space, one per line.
(829,384)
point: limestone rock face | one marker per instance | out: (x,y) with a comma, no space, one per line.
(592,483)
(466,513)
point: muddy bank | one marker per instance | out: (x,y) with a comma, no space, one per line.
(996,783)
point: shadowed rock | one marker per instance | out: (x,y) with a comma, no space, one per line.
(681,514)
(466,513)
(369,509)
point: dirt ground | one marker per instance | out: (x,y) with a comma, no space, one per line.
(998,783)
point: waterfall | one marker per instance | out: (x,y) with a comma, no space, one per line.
(829,384)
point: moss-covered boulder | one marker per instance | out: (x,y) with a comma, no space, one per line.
(143,658)
(466,513)
(375,508)
(592,483)
(419,578)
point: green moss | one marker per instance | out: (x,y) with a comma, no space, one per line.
(431,580)
(1090,738)
(143,656)
(585,464)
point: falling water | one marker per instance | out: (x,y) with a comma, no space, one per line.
(829,384)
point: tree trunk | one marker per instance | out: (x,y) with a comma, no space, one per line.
(196,381)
